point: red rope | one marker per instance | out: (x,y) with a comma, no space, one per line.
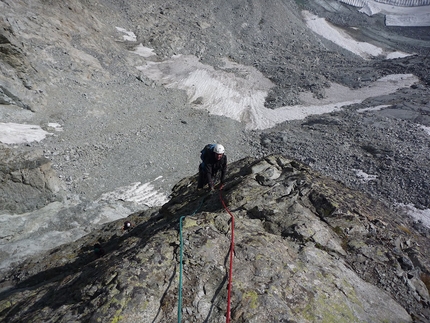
(231,258)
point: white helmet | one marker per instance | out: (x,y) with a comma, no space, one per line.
(219,149)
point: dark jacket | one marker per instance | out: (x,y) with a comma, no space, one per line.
(210,166)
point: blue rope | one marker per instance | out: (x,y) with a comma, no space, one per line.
(180,270)
(181,244)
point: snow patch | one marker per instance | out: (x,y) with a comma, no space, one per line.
(141,194)
(23,235)
(344,40)
(55,126)
(15,133)
(340,37)
(364,177)
(426,129)
(413,20)
(414,16)
(129,35)
(421,216)
(397,54)
(377,108)
(238,92)
(143,51)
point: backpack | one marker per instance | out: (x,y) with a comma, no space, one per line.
(208,148)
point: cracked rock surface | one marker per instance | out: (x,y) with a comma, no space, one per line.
(67,68)
(306,249)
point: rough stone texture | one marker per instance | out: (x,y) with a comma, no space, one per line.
(305,244)
(307,249)
(69,65)
(28,181)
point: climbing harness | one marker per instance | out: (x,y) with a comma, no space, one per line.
(231,259)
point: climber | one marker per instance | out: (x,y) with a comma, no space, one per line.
(127,226)
(213,161)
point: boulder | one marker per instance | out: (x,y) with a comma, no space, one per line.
(27,181)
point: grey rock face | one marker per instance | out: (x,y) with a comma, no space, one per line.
(69,64)
(28,181)
(306,249)
(15,68)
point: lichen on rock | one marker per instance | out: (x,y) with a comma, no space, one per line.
(290,263)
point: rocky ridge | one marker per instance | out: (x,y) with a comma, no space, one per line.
(67,63)
(306,249)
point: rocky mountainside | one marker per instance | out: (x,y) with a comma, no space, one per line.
(71,70)
(28,180)
(306,249)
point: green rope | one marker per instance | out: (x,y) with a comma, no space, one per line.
(180,270)
(181,243)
